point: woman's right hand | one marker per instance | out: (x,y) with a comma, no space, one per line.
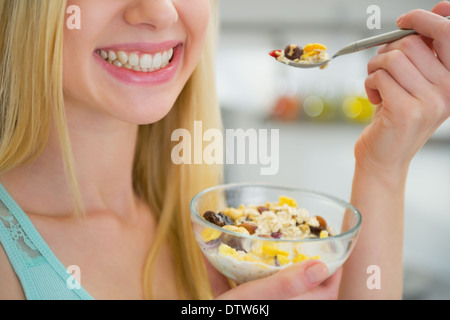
(300,281)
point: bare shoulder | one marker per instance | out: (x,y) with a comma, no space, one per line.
(10,287)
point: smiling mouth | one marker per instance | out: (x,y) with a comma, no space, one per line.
(137,61)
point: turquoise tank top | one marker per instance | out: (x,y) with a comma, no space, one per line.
(41,274)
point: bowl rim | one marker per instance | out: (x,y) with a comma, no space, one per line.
(354,230)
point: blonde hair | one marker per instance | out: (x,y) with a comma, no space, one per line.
(31,88)
(31,100)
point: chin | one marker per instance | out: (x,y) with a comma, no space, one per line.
(145,114)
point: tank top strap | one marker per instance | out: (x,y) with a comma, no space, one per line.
(41,274)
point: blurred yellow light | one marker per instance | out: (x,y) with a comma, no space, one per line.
(357,108)
(352,107)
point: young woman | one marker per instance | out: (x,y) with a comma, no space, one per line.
(76,128)
(87,183)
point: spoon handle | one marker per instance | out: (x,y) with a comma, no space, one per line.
(375,41)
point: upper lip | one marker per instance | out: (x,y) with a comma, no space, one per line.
(143,46)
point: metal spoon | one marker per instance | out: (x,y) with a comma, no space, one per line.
(357,46)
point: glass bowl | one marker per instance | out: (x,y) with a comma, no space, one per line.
(244,257)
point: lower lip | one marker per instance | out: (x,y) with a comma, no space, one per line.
(132,77)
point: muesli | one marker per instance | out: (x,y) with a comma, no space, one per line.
(311,54)
(248,258)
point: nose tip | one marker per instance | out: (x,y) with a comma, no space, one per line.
(157,14)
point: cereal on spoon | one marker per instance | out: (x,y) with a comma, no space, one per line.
(311,54)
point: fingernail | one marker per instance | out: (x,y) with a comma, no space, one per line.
(316,273)
(400,19)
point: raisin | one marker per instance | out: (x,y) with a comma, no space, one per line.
(261,209)
(276,235)
(316,230)
(219,219)
(293,52)
(212,217)
(251,227)
(227,219)
(322,222)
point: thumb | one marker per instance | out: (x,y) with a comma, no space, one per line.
(285,284)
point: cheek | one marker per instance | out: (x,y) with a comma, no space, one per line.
(199,18)
(75,61)
(195,16)
(80,74)
(78,46)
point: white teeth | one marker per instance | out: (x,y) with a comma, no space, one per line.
(112,56)
(157,61)
(145,63)
(104,54)
(133,59)
(123,57)
(165,58)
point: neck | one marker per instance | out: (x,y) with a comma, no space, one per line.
(103,152)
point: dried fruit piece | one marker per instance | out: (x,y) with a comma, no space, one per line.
(293,52)
(209,234)
(286,200)
(275,53)
(311,53)
(228,251)
(273,251)
(276,235)
(262,209)
(322,222)
(316,230)
(282,260)
(234,213)
(219,219)
(250,226)
(323,234)
(300,257)
(314,46)
(236,229)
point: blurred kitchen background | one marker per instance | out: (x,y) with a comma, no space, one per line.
(321,113)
